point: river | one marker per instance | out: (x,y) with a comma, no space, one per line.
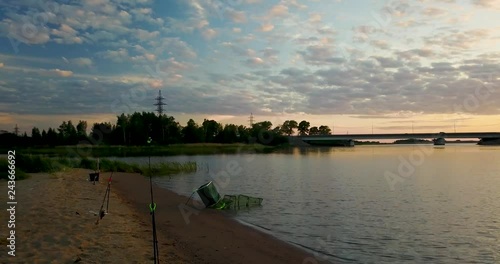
(366,204)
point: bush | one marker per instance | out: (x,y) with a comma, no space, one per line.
(37,163)
(86,163)
(4,168)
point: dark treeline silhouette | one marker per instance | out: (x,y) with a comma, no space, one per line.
(135,129)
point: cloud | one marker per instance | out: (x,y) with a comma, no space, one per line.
(236,16)
(119,55)
(278,11)
(144,35)
(209,33)
(381,44)
(487,3)
(83,62)
(433,12)
(315,18)
(415,53)
(173,45)
(388,62)
(62,73)
(156,84)
(319,55)
(255,61)
(266,27)
(66,35)
(409,57)
(457,40)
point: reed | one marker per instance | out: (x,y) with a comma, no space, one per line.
(169,168)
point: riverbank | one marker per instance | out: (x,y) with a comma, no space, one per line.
(137,151)
(55,220)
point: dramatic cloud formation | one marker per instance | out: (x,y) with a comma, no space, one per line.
(323,60)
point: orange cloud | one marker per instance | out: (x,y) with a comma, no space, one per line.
(62,73)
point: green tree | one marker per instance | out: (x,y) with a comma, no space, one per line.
(229,134)
(36,137)
(303,127)
(211,129)
(314,131)
(72,134)
(288,127)
(52,137)
(324,130)
(81,130)
(67,133)
(277,130)
(243,134)
(44,137)
(172,130)
(192,133)
(101,133)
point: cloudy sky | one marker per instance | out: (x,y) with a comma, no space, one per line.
(350,65)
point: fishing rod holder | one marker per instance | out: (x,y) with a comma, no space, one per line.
(94,176)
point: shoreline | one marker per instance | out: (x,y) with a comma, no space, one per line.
(209,236)
(56,216)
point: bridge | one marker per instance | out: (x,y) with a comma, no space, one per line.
(438,138)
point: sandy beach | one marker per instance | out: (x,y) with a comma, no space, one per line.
(56,223)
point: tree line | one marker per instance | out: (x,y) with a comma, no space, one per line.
(136,128)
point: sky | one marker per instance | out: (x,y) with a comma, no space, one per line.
(355,66)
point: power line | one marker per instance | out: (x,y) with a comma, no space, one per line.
(251,119)
(159,103)
(159,108)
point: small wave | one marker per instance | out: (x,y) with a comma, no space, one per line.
(323,253)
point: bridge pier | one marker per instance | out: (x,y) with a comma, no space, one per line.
(350,142)
(489,141)
(439,141)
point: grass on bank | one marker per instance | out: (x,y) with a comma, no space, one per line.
(37,163)
(83,150)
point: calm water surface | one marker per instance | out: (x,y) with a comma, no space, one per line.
(367,204)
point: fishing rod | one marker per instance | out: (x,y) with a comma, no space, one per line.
(102,213)
(152,209)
